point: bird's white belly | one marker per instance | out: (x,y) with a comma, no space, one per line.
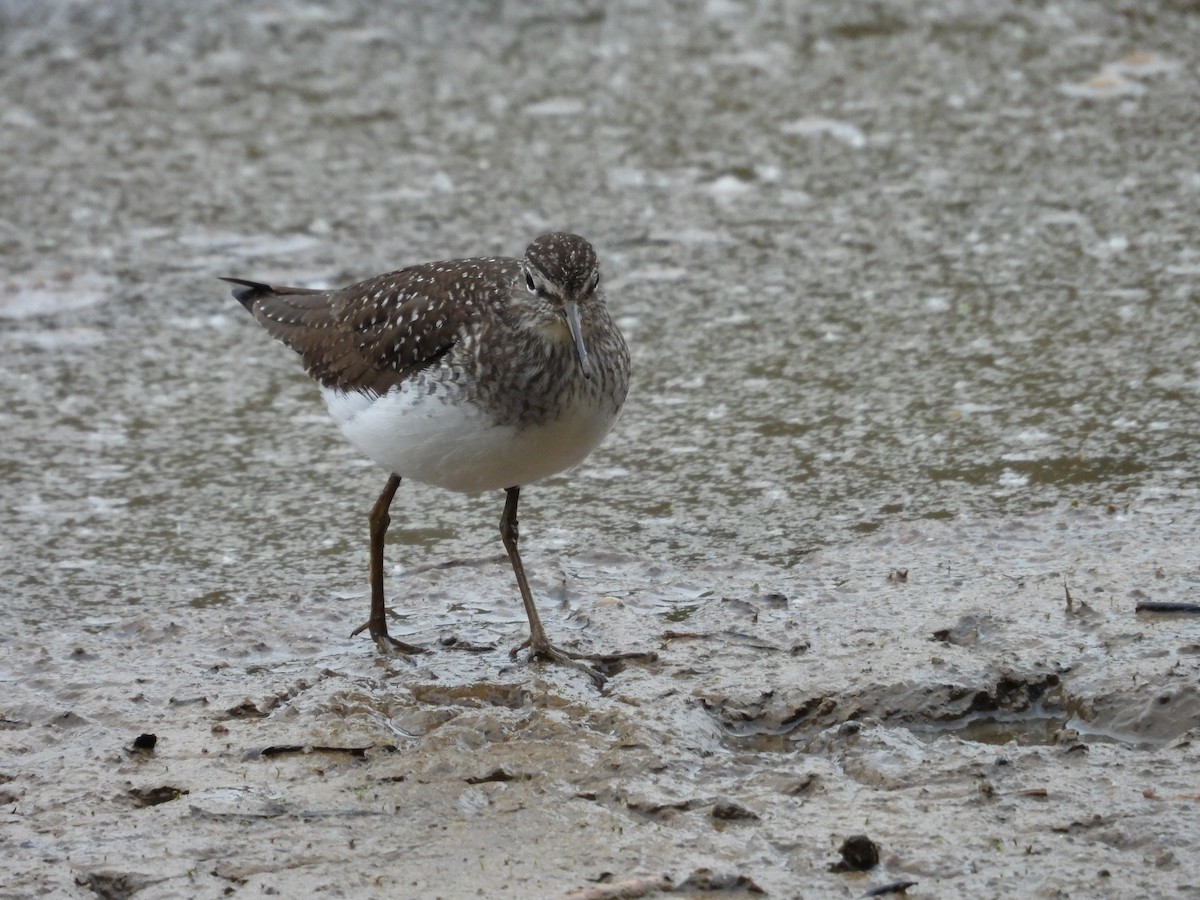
(459,446)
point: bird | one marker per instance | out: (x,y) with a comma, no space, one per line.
(472,375)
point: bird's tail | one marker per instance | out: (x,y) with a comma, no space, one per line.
(288,313)
(249,291)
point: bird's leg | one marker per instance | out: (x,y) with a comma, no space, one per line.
(538,644)
(377,624)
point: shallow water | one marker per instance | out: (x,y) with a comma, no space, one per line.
(880,267)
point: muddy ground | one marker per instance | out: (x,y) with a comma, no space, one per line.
(991,739)
(912,295)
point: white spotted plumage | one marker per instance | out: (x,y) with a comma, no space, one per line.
(456,374)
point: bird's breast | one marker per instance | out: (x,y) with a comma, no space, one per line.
(440,437)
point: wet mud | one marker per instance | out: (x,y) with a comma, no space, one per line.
(1028,748)
(903,499)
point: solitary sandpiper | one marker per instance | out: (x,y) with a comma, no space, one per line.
(469,374)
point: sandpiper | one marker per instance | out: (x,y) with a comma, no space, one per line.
(470,374)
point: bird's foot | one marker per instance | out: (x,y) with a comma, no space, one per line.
(389,645)
(546,651)
(611,662)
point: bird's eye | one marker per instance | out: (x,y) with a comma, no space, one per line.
(529,282)
(595,281)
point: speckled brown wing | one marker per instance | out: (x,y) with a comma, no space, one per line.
(375,334)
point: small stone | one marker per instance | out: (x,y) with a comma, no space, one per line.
(859,853)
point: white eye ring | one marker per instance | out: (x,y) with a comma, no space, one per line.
(529,283)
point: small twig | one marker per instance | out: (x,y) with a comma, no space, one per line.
(1167,606)
(623,890)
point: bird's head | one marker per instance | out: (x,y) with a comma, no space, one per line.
(562,270)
